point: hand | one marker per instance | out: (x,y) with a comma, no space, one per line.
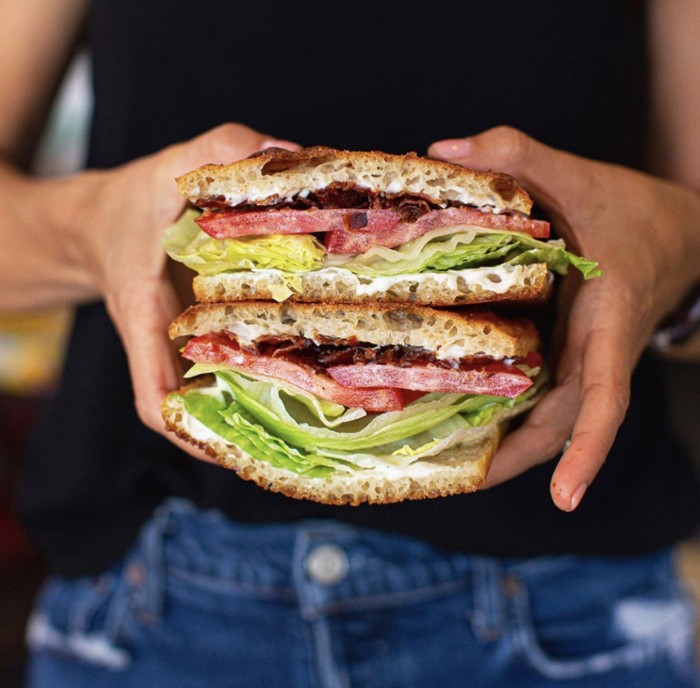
(644,232)
(117,239)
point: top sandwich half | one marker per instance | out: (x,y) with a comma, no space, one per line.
(321,224)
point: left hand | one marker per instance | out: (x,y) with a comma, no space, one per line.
(645,233)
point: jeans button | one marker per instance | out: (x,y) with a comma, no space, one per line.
(327,564)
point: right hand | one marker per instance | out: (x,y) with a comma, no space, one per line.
(117,242)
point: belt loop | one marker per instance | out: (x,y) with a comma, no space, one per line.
(147,573)
(488,612)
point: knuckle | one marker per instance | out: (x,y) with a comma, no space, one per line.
(616,395)
(146,414)
(230,141)
(515,146)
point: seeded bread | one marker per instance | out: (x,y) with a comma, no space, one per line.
(277,175)
(502,283)
(481,333)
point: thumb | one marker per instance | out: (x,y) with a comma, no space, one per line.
(221,145)
(547,173)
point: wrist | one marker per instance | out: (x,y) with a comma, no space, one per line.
(41,220)
(678,328)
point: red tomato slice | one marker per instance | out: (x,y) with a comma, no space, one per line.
(222,350)
(356,230)
(498,379)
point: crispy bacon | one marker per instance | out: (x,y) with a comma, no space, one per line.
(375,378)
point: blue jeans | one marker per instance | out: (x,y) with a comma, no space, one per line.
(200,601)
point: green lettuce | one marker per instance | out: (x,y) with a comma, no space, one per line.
(440,250)
(241,430)
(274,423)
(451,249)
(186,243)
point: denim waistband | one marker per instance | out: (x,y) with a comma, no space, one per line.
(328,566)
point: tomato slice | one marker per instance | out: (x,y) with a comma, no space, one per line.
(498,379)
(356,230)
(222,350)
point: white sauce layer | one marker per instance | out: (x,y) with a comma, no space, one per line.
(497,279)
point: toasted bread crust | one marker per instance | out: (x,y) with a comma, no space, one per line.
(481,332)
(454,471)
(277,175)
(532,284)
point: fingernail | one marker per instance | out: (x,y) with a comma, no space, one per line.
(451,148)
(279,143)
(577,496)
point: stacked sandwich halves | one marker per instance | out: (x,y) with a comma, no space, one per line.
(342,351)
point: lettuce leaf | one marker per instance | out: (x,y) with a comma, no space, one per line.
(186,243)
(450,248)
(283,438)
(468,247)
(266,402)
(241,430)
(322,411)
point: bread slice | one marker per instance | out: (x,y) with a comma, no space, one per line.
(523,283)
(456,470)
(277,176)
(451,334)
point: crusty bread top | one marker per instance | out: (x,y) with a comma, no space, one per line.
(451,334)
(277,175)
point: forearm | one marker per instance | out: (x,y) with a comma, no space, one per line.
(40,263)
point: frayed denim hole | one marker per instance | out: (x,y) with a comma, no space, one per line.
(665,625)
(528,645)
(71,620)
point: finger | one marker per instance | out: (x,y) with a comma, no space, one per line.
(600,358)
(224,144)
(605,381)
(154,366)
(548,173)
(539,439)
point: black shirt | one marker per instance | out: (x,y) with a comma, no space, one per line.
(392,76)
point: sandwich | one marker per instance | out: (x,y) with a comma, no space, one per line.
(352,403)
(341,348)
(331,226)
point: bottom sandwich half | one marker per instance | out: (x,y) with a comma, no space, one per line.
(352,404)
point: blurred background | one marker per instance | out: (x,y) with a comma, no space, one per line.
(31,351)
(31,354)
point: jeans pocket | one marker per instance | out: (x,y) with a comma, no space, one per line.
(629,633)
(83,619)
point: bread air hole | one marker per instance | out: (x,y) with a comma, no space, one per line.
(493,277)
(286,318)
(402,321)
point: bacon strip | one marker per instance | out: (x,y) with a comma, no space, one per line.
(352,230)
(496,379)
(223,350)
